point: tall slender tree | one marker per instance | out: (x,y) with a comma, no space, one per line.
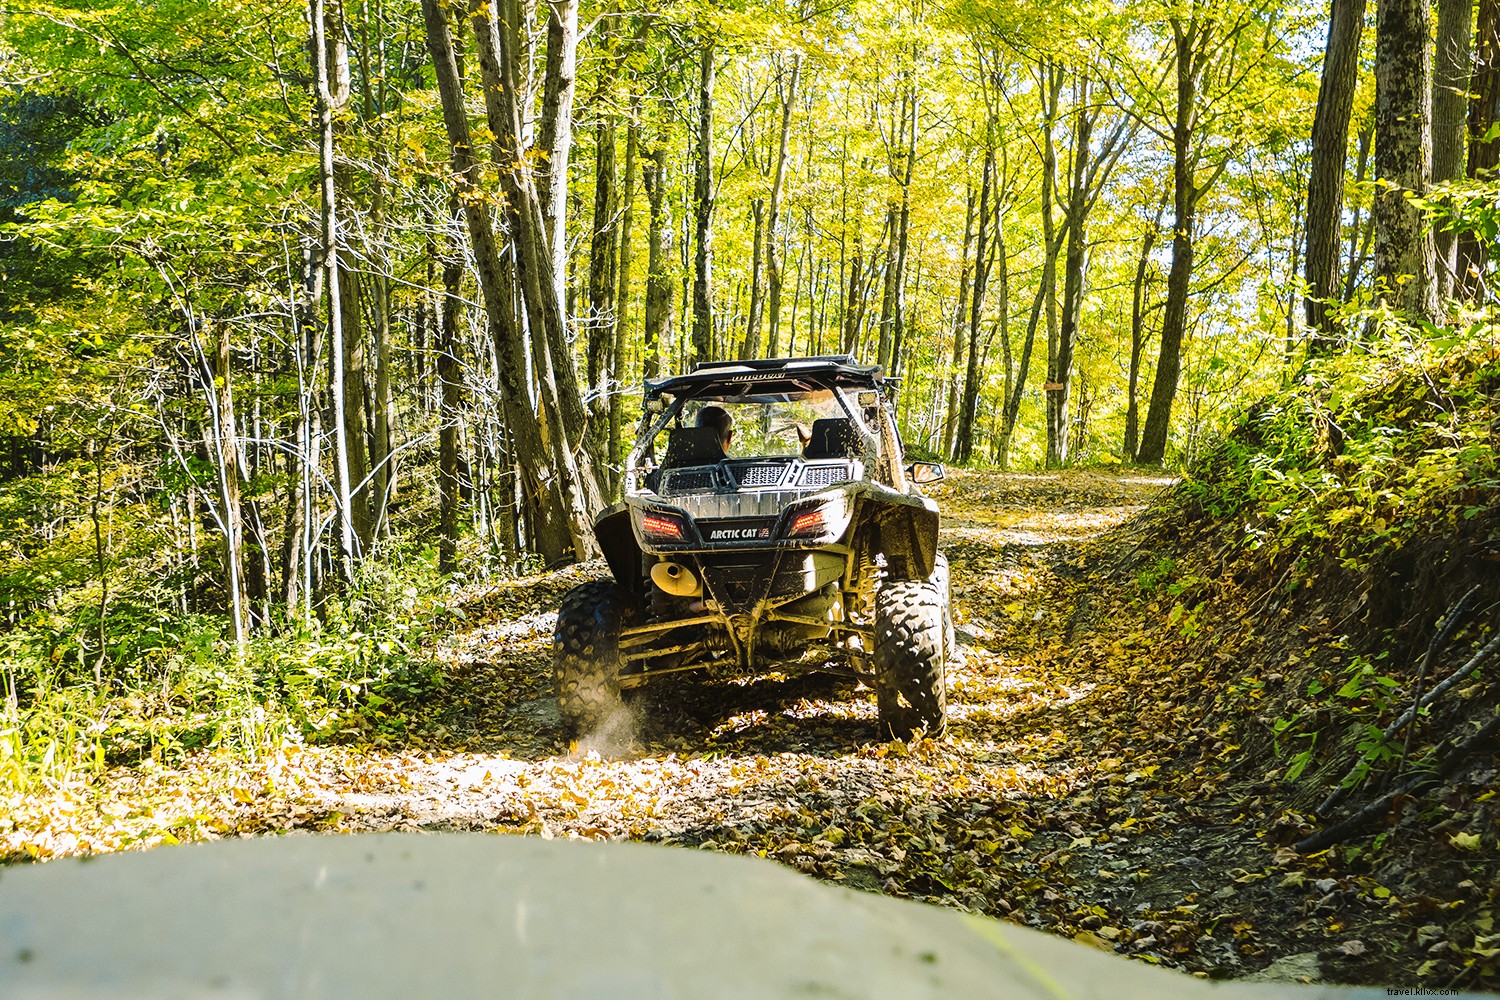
(659,279)
(1450,91)
(331,80)
(1325,177)
(1484,146)
(1405,256)
(561,528)
(788,91)
(963,445)
(1196,39)
(703,210)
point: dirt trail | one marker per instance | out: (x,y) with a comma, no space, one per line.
(1073,791)
(1044,804)
(700,760)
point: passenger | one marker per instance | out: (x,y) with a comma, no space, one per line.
(722,421)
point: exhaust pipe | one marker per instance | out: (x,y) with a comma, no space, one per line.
(676,579)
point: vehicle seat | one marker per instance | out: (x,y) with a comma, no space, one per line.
(831,437)
(687,446)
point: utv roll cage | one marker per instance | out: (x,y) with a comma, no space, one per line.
(759,381)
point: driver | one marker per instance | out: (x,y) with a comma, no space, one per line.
(721,421)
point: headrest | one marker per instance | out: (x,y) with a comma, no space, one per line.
(692,446)
(831,437)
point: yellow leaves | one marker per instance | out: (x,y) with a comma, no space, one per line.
(1464,841)
(1093,941)
(1067,785)
(1486,946)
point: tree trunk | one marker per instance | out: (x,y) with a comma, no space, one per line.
(1185,194)
(297,538)
(561,408)
(1138,295)
(703,211)
(1484,151)
(854,307)
(1051,95)
(658,319)
(1012,405)
(963,445)
(887,324)
(331,70)
(1362,232)
(1325,176)
(751,347)
(354,422)
(1075,266)
(960,317)
(1450,90)
(227,461)
(903,230)
(556,127)
(560,526)
(1405,260)
(622,307)
(448,416)
(382,440)
(536,223)
(603,286)
(773,226)
(1000,440)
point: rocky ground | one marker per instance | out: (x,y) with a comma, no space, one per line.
(1079,789)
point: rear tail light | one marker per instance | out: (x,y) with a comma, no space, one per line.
(661,527)
(810,522)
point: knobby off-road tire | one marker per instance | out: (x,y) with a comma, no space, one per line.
(586,654)
(911,656)
(942,579)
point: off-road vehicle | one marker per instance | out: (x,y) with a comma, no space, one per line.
(808,545)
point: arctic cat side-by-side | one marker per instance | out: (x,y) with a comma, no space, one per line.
(807,544)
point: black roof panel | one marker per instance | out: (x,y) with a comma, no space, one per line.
(766,376)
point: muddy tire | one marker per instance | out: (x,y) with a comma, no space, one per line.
(586,655)
(911,655)
(942,579)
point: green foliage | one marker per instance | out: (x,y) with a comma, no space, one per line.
(1468,206)
(1365,450)
(172,684)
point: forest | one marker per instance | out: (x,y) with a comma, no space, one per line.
(324,328)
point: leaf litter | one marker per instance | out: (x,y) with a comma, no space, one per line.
(1082,788)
